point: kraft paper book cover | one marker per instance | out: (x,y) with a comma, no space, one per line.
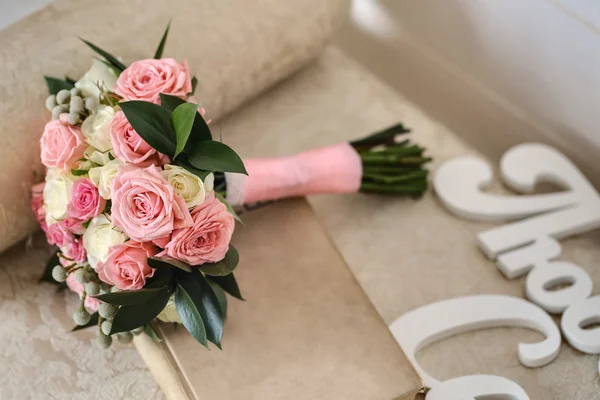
(305,331)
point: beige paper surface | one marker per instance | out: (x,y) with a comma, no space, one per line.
(306,331)
(236,48)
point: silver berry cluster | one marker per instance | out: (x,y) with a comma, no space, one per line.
(107,313)
(86,276)
(72,102)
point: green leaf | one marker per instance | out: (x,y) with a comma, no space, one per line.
(200,130)
(194,84)
(69,80)
(170,103)
(182,119)
(149,329)
(198,172)
(221,297)
(116,64)
(190,315)
(153,123)
(215,156)
(223,267)
(130,297)
(162,278)
(229,284)
(130,317)
(161,46)
(55,85)
(231,211)
(207,304)
(168,262)
(78,172)
(93,322)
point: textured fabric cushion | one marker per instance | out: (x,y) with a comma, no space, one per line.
(41,358)
(236,48)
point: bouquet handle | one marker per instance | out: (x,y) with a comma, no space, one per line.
(332,169)
(162,367)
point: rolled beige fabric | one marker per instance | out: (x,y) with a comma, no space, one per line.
(236,49)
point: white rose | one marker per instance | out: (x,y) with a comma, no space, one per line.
(169,313)
(93,158)
(57,194)
(103,176)
(96,128)
(99,236)
(188,185)
(99,74)
(96,157)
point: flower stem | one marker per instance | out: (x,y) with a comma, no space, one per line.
(416,175)
(391,166)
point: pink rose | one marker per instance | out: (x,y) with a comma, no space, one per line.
(65,262)
(59,235)
(127,265)
(72,247)
(146,79)
(75,250)
(37,204)
(208,239)
(86,202)
(91,303)
(162,242)
(62,145)
(74,225)
(145,206)
(130,147)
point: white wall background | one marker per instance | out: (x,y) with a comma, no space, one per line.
(538,59)
(542,55)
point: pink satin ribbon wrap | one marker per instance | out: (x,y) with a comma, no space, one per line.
(333,169)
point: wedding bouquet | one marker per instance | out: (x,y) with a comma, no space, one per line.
(138,196)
